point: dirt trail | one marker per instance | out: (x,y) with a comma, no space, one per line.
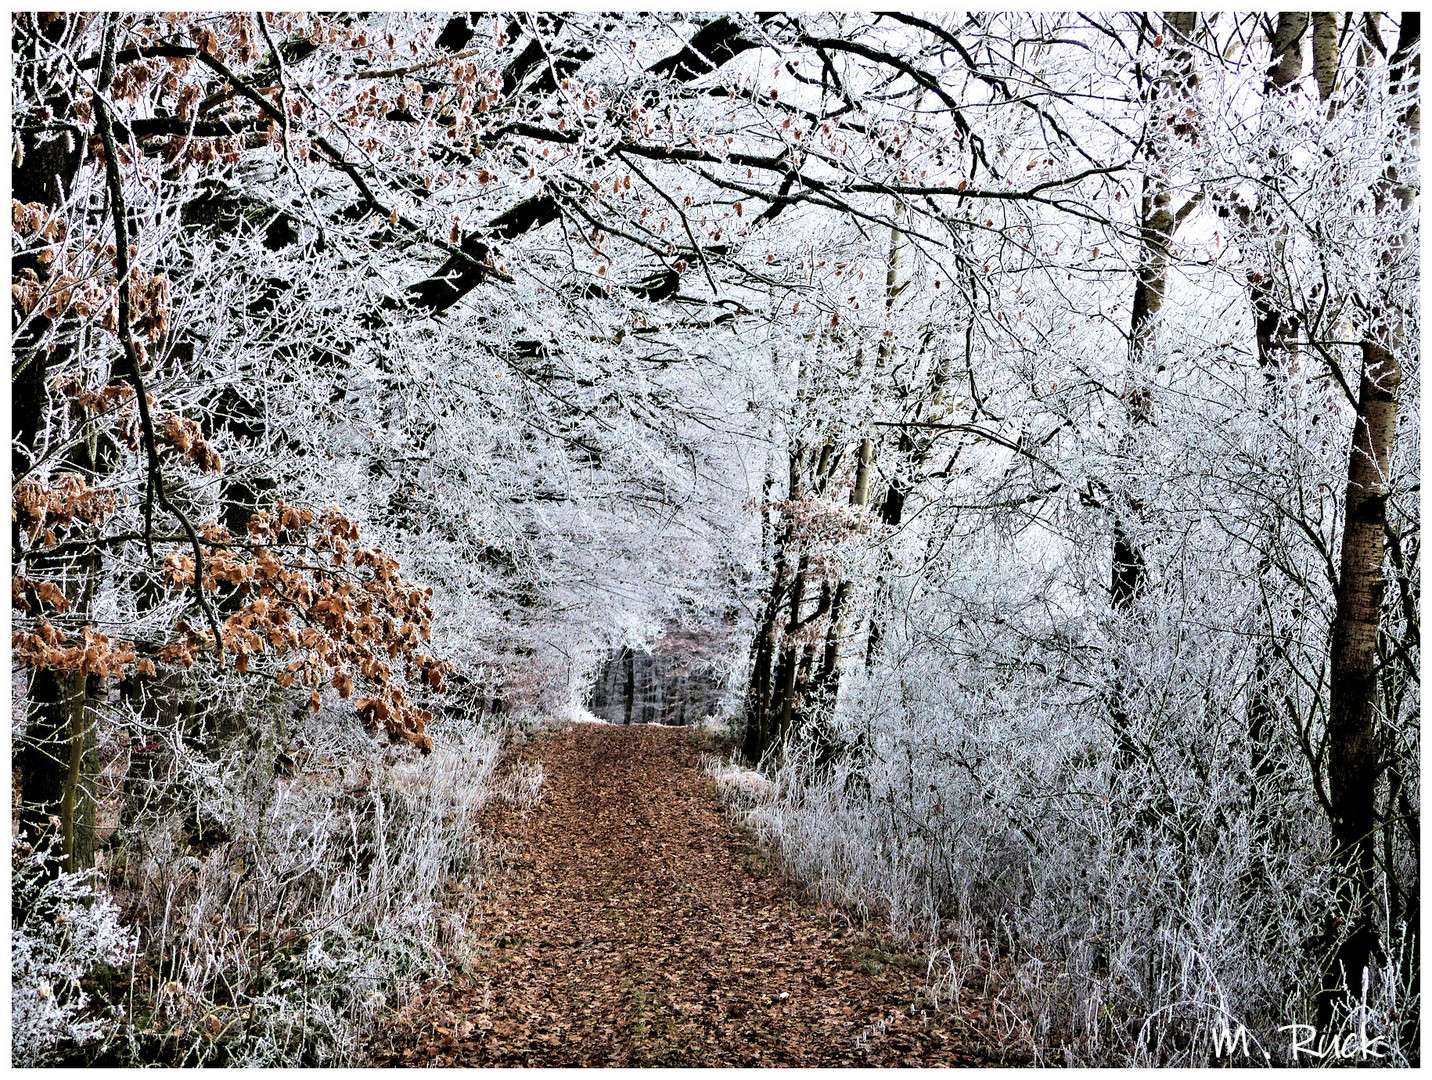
(635,926)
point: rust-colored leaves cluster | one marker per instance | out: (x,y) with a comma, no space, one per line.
(43,592)
(184,151)
(62,292)
(116,400)
(81,278)
(148,304)
(186,437)
(102,401)
(305,596)
(34,219)
(342,614)
(94,654)
(39,508)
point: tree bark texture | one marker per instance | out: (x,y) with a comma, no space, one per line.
(1355,760)
(1325,52)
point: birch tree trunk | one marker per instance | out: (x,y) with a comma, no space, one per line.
(1325,51)
(1354,757)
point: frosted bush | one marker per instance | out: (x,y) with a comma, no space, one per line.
(739,783)
(1115,913)
(319,909)
(62,931)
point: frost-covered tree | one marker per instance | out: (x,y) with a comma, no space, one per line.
(1167,738)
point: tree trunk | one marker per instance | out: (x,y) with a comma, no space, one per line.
(1157,222)
(57,763)
(1325,52)
(786,700)
(773,670)
(825,686)
(58,756)
(1276,333)
(759,691)
(1354,753)
(630,686)
(802,686)
(908,451)
(1287,60)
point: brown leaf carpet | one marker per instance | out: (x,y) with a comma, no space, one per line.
(635,926)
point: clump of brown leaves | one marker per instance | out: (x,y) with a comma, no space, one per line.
(80,278)
(310,604)
(42,509)
(186,437)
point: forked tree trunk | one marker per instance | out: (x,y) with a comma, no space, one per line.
(810,683)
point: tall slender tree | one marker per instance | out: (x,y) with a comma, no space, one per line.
(1355,758)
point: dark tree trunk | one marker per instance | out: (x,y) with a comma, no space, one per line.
(629,688)
(1157,222)
(758,697)
(1276,332)
(1353,751)
(773,667)
(58,762)
(57,754)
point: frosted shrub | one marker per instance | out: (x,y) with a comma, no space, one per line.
(281,945)
(522,786)
(737,783)
(62,931)
(1115,912)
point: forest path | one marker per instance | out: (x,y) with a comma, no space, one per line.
(635,926)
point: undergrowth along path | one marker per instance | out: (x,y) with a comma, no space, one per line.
(634,925)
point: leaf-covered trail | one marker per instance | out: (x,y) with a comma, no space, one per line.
(635,926)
